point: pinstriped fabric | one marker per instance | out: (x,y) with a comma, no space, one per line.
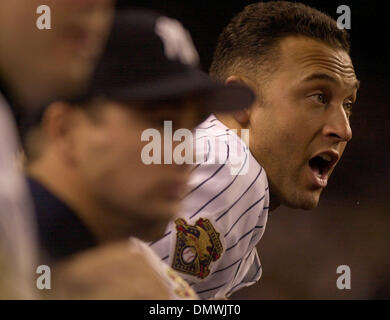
(235,204)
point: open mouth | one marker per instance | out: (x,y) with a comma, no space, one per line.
(321,165)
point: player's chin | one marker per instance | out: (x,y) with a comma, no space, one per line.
(165,209)
(309,200)
(303,199)
(154,220)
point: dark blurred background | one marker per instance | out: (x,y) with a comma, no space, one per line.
(301,250)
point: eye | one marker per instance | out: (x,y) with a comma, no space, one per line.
(319,98)
(348,108)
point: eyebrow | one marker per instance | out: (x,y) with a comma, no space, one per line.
(324,76)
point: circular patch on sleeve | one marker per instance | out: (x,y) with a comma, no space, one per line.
(197,246)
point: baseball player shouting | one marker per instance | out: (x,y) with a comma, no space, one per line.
(297,61)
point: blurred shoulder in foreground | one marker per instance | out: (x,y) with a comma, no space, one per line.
(121,270)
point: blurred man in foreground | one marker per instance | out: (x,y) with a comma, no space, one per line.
(87,171)
(36,66)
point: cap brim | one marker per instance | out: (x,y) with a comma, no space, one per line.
(215,96)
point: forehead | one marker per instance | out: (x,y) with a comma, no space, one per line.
(301,57)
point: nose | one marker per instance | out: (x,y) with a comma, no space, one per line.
(337,125)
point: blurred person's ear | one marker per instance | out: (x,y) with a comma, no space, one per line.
(58,126)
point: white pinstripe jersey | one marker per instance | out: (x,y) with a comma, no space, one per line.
(17,237)
(223,216)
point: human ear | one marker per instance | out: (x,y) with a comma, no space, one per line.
(58,125)
(235,79)
(241,116)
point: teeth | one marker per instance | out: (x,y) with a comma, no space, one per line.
(326,157)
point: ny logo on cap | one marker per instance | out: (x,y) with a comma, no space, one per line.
(177,41)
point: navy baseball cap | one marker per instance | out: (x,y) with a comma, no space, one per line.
(149,58)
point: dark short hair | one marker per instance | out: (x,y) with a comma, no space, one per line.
(250,40)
